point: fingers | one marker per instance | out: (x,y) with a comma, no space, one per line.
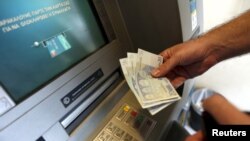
(177,82)
(163,69)
(169,63)
(224,112)
(166,54)
(169,69)
(196,137)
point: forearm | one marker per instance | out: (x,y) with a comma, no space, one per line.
(224,112)
(230,39)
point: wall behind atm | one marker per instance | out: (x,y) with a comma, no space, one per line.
(217,12)
(231,78)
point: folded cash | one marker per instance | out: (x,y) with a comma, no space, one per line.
(153,94)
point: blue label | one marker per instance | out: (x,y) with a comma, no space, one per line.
(192,5)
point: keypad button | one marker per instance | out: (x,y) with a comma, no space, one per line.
(146,127)
(111,127)
(122,112)
(119,132)
(129,120)
(104,136)
(112,139)
(127,137)
(138,121)
(125,125)
(126,108)
(133,113)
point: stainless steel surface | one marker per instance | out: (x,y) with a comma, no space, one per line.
(102,114)
(72,116)
(56,133)
(152,25)
(186,20)
(50,110)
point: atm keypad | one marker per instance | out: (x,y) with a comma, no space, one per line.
(127,125)
(111,128)
(127,137)
(119,133)
(122,112)
(104,136)
(130,119)
(138,121)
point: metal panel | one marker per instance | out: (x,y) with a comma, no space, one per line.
(94,123)
(56,133)
(186,18)
(152,24)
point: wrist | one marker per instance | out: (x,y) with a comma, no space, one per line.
(230,39)
(216,47)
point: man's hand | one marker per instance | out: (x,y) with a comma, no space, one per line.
(194,57)
(196,137)
(223,112)
(186,60)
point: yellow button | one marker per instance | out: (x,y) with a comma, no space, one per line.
(126,108)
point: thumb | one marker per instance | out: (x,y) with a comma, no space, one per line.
(164,68)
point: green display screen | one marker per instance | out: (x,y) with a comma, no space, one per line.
(41,39)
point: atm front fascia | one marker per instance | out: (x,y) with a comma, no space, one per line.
(90,100)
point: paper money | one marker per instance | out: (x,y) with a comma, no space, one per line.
(149,59)
(158,108)
(154,94)
(133,58)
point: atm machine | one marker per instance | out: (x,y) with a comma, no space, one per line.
(60,74)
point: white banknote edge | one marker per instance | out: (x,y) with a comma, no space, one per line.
(156,109)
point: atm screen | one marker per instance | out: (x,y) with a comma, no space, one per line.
(41,39)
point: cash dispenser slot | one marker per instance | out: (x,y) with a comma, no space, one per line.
(74,118)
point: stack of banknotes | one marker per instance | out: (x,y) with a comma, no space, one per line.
(152,93)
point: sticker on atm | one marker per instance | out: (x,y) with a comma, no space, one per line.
(6,102)
(57,45)
(193,12)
